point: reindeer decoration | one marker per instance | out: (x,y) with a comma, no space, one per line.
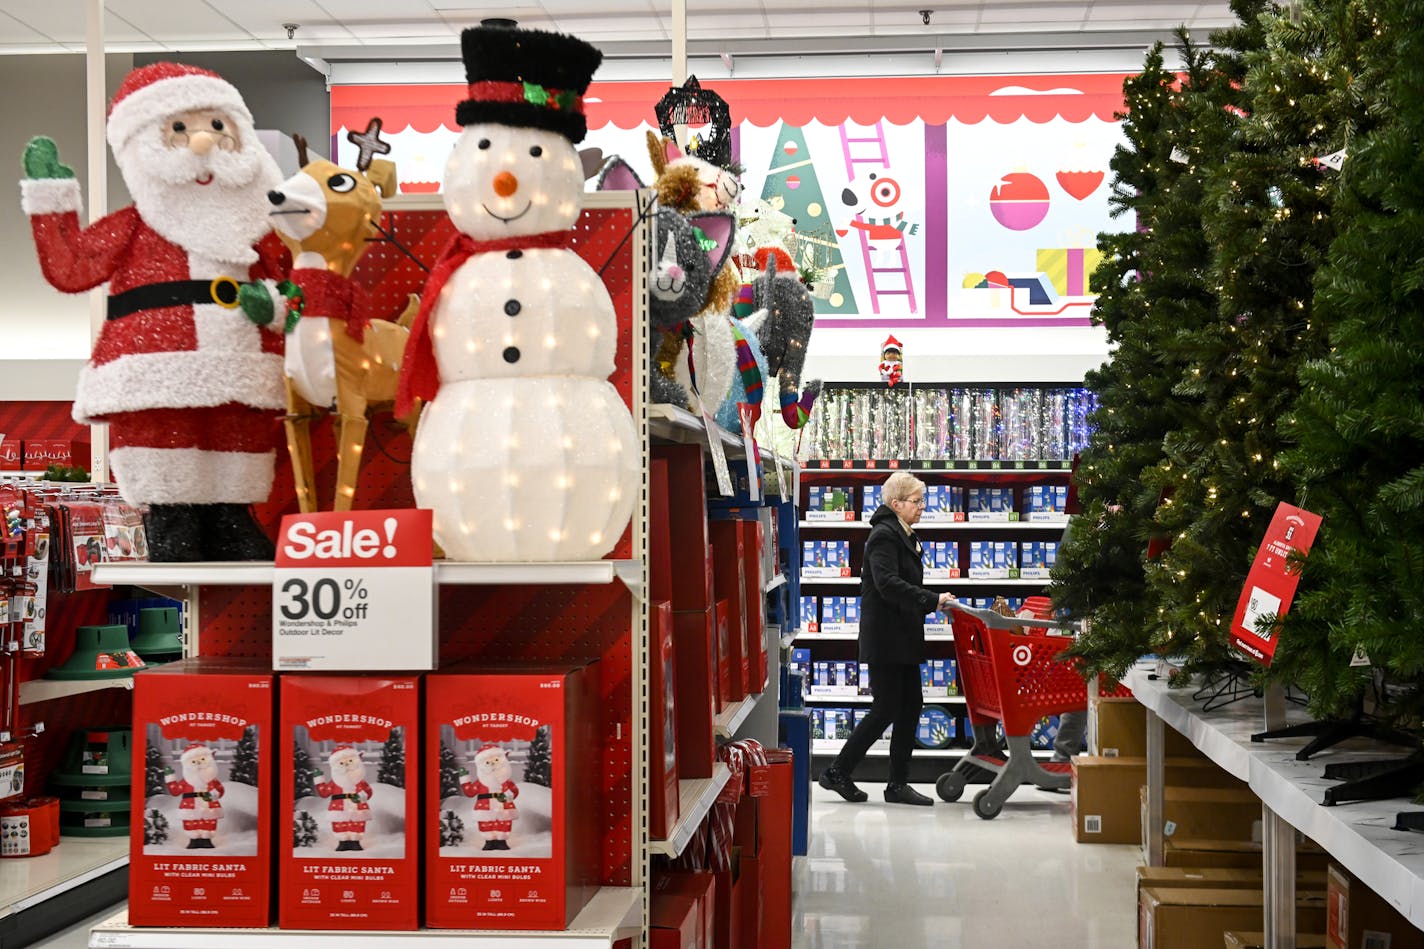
(337,356)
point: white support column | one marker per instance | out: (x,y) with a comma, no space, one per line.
(1156,783)
(95,106)
(679,60)
(1278,868)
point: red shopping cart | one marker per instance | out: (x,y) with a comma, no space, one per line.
(1014,678)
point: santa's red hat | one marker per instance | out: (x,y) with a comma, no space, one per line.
(487,752)
(890,343)
(342,750)
(152,93)
(192,751)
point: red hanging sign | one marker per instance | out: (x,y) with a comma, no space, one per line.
(1270,586)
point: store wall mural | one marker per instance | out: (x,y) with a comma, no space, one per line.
(921,202)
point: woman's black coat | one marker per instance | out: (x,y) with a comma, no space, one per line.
(893,602)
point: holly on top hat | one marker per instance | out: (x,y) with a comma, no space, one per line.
(152,93)
(527,78)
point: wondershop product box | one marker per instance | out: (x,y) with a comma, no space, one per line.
(728,586)
(685,527)
(697,885)
(1357,917)
(511,821)
(754,654)
(349,856)
(695,663)
(663,788)
(202,855)
(1197,919)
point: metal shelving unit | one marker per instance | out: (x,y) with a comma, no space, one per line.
(727,721)
(614,913)
(695,799)
(942,525)
(930,582)
(240,573)
(43,690)
(26,882)
(865,699)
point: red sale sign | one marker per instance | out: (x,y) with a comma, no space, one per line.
(1270,586)
(347,585)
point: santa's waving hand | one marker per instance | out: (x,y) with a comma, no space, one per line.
(187,369)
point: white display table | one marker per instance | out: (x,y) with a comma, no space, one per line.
(1357,836)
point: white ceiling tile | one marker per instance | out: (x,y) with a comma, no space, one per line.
(844,20)
(177,23)
(15,33)
(1032,16)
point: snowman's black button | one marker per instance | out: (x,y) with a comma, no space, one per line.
(511,307)
(515,254)
(511,354)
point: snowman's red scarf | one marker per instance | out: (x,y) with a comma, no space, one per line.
(420,375)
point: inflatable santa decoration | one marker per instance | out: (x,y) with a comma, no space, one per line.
(202,795)
(187,370)
(349,793)
(525,452)
(494,792)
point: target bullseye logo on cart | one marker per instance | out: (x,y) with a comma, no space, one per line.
(347,585)
(1023,655)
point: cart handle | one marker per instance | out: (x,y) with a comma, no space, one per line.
(998,621)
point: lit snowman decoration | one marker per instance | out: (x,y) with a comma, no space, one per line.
(526,451)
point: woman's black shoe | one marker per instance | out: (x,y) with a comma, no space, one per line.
(833,779)
(899,793)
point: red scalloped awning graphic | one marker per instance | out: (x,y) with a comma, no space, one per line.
(934,100)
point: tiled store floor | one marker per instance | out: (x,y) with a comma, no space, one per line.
(900,877)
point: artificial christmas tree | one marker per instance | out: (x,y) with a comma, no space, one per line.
(244,761)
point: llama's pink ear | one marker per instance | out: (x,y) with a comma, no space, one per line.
(671,150)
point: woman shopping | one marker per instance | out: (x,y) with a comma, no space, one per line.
(893,604)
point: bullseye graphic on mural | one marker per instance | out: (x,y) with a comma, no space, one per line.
(1019,201)
(885,192)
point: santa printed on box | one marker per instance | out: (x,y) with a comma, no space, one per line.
(349,795)
(202,795)
(494,792)
(525,452)
(187,370)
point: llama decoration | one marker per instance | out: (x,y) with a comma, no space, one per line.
(337,356)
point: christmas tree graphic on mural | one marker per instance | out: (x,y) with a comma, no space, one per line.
(791,176)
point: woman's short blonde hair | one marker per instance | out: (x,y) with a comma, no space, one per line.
(900,486)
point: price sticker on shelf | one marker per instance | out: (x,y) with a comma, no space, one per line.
(354,591)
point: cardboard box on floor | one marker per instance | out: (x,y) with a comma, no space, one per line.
(1211,878)
(1228,814)
(1117,728)
(1198,919)
(1358,917)
(1105,794)
(1239,940)
(1180,851)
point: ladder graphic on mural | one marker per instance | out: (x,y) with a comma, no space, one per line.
(872,151)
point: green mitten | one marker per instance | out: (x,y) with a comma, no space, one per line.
(42,159)
(256,303)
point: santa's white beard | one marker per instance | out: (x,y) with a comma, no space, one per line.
(494,777)
(199,777)
(220,220)
(348,783)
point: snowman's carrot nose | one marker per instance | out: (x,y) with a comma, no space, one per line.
(505,184)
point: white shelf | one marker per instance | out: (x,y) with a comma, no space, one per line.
(866,700)
(614,913)
(1357,835)
(260,573)
(43,690)
(774,582)
(28,881)
(841,581)
(728,720)
(670,423)
(25,473)
(695,798)
(829,746)
(943,525)
(956,581)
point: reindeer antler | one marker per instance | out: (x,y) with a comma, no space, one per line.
(369,142)
(300,141)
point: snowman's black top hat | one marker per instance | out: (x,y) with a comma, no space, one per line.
(527,78)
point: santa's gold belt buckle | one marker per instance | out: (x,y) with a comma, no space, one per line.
(224,291)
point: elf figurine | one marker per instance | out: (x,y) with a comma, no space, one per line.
(494,792)
(202,795)
(892,364)
(349,795)
(187,370)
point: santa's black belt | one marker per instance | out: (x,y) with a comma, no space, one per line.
(485,797)
(190,793)
(153,296)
